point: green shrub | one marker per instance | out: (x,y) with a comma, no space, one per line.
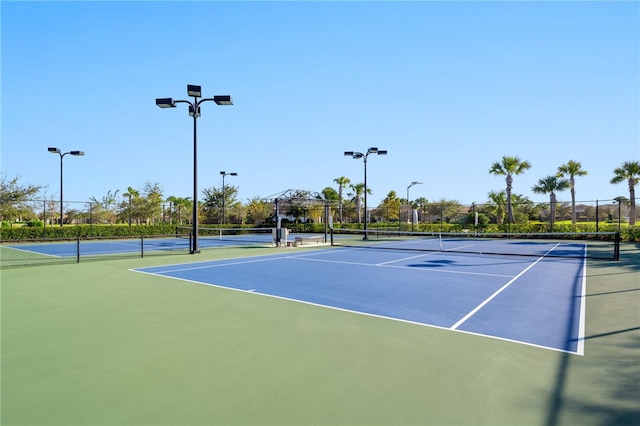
(630,234)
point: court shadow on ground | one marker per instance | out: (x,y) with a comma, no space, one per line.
(439,263)
(615,340)
(435,263)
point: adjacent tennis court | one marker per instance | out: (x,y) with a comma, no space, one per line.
(107,246)
(533,300)
(38,251)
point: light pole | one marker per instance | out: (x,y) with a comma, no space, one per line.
(223,174)
(194,111)
(410,218)
(619,200)
(129,194)
(57,151)
(357,155)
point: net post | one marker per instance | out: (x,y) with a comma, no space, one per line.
(142,246)
(78,250)
(616,247)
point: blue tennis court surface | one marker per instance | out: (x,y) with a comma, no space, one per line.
(97,247)
(531,300)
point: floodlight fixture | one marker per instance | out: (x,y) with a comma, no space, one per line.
(223,100)
(54,150)
(195,91)
(165,102)
(409,216)
(194,111)
(223,174)
(357,155)
(191,109)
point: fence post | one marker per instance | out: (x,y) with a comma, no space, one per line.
(78,250)
(44,219)
(142,246)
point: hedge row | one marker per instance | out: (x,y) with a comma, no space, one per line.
(627,234)
(84,231)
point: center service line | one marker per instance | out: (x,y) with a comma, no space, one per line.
(504,287)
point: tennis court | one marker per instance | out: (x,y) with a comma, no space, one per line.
(533,300)
(106,246)
(38,251)
(329,336)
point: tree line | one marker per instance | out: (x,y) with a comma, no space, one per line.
(148,205)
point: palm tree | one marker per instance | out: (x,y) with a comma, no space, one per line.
(549,185)
(136,195)
(178,205)
(342,182)
(508,167)
(172,202)
(629,171)
(572,169)
(421,203)
(358,192)
(496,209)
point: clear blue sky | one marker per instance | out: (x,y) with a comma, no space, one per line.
(447,88)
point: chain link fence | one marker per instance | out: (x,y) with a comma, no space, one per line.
(47,251)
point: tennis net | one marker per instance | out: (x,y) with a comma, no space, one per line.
(231,235)
(592,245)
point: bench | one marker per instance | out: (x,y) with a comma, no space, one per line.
(309,239)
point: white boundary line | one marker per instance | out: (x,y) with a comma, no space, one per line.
(386,265)
(407,258)
(192,267)
(254,292)
(583,306)
(36,252)
(581,331)
(494,295)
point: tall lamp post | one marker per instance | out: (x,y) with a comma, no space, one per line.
(223,174)
(410,218)
(358,155)
(194,111)
(57,151)
(129,195)
(619,200)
